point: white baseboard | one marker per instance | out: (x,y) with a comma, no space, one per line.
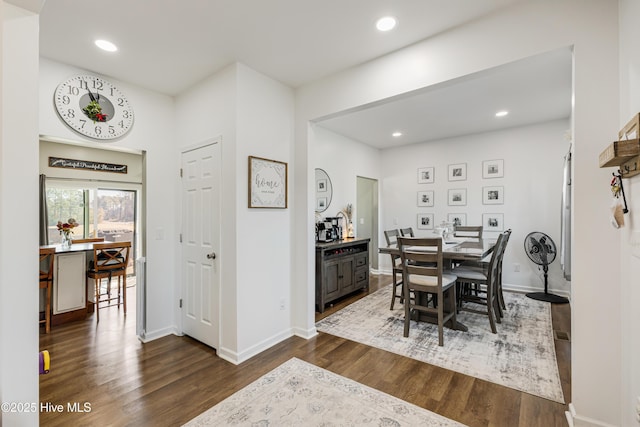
(154,335)
(305,333)
(525,289)
(575,420)
(238,357)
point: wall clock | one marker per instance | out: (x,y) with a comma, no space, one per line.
(93,107)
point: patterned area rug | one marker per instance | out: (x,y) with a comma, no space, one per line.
(520,356)
(300,394)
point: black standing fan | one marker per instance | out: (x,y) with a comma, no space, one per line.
(541,250)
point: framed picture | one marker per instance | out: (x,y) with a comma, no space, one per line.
(425,175)
(321,186)
(425,221)
(458,172)
(493,221)
(457,219)
(492,195)
(493,168)
(321,204)
(457,197)
(425,198)
(267,183)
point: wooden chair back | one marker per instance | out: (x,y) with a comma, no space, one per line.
(47,257)
(473,231)
(407,232)
(421,256)
(111,256)
(391,236)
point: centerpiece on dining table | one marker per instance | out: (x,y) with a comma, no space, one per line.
(66,229)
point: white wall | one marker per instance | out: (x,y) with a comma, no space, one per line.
(254,116)
(153,132)
(18,256)
(533,170)
(630,256)
(524,29)
(344,160)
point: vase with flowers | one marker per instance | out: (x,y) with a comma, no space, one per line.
(66,229)
(348,213)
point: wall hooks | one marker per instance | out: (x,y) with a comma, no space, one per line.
(618,178)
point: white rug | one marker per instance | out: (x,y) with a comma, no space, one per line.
(520,356)
(300,394)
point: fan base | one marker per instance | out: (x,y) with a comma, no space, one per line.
(552,298)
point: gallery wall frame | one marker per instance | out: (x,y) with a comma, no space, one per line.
(425,221)
(426,175)
(425,198)
(268,183)
(493,195)
(493,168)
(457,219)
(458,172)
(457,197)
(493,221)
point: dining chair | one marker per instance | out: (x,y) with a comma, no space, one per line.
(109,260)
(424,274)
(471,231)
(47,260)
(407,232)
(478,286)
(391,236)
(499,293)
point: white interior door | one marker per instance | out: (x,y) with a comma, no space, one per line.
(201,243)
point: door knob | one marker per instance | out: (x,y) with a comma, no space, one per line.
(212,255)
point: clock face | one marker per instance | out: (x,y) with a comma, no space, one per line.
(93,107)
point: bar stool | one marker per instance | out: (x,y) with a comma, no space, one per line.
(109,260)
(47,257)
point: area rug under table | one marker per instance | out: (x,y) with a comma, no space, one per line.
(300,394)
(520,356)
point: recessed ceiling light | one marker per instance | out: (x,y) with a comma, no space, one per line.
(396,134)
(386,23)
(502,113)
(106,45)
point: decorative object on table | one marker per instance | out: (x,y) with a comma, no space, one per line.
(425,221)
(324,190)
(457,219)
(458,172)
(66,229)
(426,175)
(298,393)
(524,345)
(492,195)
(93,107)
(268,183)
(493,169)
(425,198)
(541,250)
(493,221)
(444,229)
(457,197)
(348,213)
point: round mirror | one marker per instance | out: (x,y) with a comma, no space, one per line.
(324,190)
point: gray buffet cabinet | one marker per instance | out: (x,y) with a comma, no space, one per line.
(342,267)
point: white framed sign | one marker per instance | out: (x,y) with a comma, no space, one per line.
(268,183)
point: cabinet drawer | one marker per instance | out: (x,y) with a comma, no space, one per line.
(362,277)
(362,260)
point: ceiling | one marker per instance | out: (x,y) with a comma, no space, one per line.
(168,46)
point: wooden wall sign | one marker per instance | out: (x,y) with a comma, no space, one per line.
(57,162)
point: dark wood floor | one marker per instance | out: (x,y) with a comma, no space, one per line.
(170,380)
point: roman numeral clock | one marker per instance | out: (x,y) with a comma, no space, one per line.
(93,107)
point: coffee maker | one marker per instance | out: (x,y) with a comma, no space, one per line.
(329,230)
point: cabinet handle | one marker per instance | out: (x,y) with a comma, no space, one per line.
(212,255)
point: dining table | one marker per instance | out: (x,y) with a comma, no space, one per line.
(454,250)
